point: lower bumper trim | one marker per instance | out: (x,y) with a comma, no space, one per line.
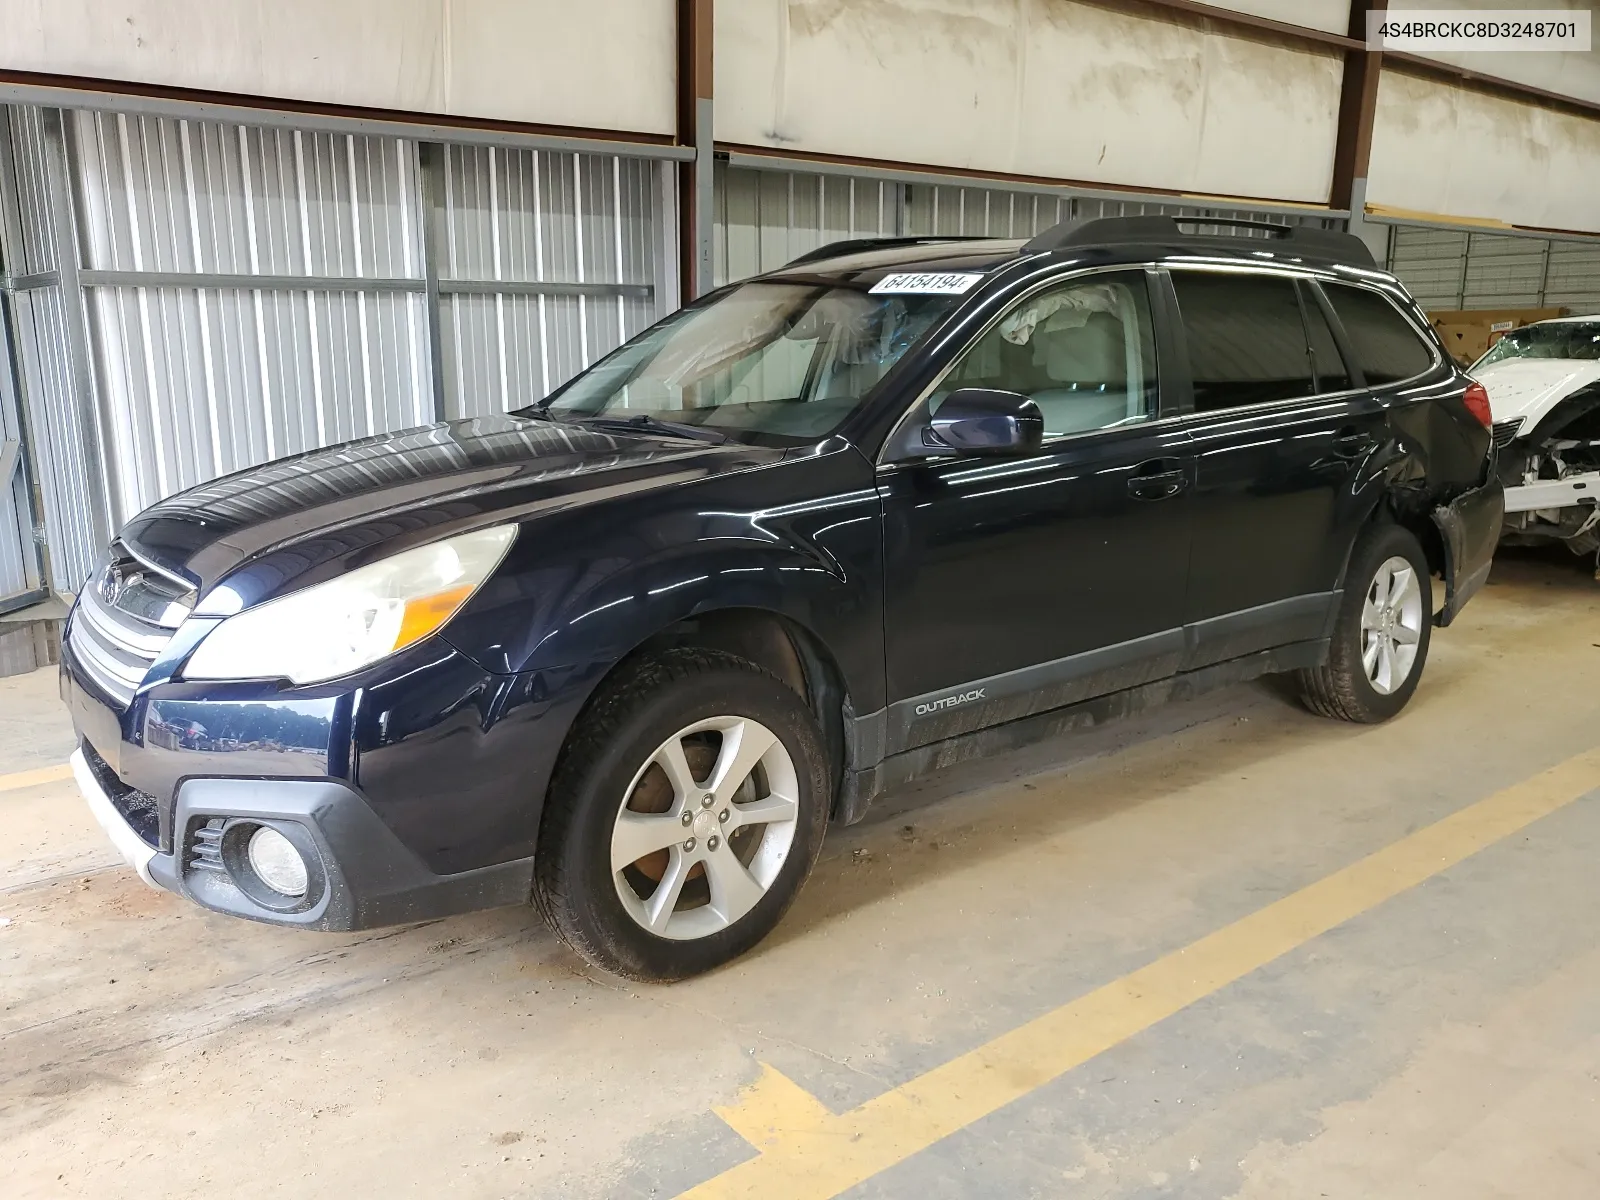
(128,843)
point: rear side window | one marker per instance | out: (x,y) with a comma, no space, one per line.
(1386,346)
(1247,341)
(1332,374)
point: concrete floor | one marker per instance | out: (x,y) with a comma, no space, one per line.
(1445,1042)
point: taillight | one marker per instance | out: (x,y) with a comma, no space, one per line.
(1477,399)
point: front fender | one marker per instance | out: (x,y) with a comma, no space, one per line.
(801,538)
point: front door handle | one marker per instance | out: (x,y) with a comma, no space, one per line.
(1158,479)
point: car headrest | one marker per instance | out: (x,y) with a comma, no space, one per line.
(1092,353)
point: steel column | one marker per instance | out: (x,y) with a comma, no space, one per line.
(430,170)
(1358,111)
(92,423)
(695,130)
(14,392)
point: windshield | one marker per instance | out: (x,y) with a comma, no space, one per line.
(1570,339)
(792,360)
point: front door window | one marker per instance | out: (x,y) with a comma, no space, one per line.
(1084,351)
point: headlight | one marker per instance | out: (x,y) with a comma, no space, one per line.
(347,623)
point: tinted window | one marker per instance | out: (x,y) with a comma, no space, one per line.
(1386,347)
(1084,351)
(1332,374)
(1247,342)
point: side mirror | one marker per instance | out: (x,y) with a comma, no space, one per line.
(984,422)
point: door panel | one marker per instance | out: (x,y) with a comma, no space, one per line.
(1017,586)
(1274,467)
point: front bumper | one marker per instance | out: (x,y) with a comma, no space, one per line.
(138,853)
(359,874)
(407,792)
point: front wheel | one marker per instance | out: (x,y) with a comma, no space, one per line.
(1380,639)
(684,816)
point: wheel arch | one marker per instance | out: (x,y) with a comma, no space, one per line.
(777,642)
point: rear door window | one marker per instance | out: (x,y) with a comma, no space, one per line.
(1387,348)
(1246,338)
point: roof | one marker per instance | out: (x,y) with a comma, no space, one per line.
(1580,319)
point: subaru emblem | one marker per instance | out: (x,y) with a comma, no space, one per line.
(112,585)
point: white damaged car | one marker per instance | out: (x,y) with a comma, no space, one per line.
(1544,390)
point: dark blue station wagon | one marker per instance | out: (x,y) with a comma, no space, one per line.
(626,652)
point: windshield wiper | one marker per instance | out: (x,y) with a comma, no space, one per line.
(645,422)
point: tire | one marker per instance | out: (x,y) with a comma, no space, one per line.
(612,793)
(1348,687)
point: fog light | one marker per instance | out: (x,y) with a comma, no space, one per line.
(276,862)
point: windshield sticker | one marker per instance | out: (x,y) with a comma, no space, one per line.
(945,284)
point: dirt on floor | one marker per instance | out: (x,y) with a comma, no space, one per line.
(1447,1044)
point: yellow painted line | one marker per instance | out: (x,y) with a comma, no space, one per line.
(808,1152)
(22,779)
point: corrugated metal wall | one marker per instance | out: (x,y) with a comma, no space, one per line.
(1573,280)
(1449,269)
(196,381)
(764,219)
(40,312)
(575,242)
(239,293)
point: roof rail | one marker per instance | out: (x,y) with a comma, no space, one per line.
(853,245)
(1300,241)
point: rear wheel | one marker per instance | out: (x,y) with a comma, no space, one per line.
(684,816)
(1380,639)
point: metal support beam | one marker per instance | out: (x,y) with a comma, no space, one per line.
(92,424)
(13,392)
(264,283)
(695,189)
(125,96)
(431,167)
(1358,110)
(908,174)
(534,287)
(1241,23)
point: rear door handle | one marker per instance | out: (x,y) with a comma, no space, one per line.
(1349,443)
(1158,479)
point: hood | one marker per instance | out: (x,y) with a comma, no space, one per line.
(1530,387)
(296,515)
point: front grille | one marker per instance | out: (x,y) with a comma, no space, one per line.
(124,619)
(139,809)
(1504,432)
(205,847)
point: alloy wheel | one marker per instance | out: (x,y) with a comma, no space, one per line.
(1391,625)
(704,827)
